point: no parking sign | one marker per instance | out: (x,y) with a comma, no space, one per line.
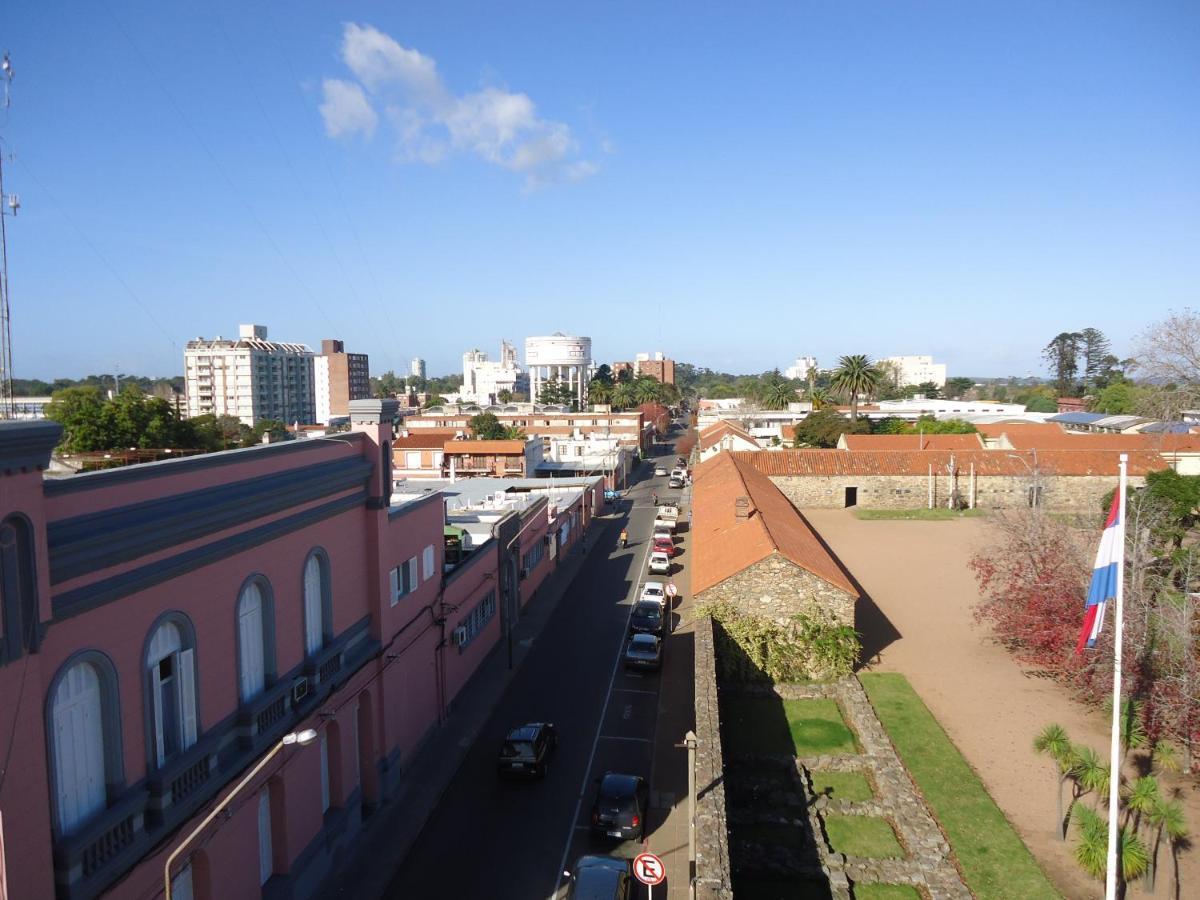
(649,870)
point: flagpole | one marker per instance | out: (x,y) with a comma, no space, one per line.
(1114,771)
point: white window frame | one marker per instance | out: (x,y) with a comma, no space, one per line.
(403,580)
(252,668)
(314,604)
(77,717)
(427,562)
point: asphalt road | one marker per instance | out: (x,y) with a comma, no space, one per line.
(499,839)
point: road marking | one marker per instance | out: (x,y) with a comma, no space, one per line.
(627,712)
(633,588)
(617,737)
(633,691)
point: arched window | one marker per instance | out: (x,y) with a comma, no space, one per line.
(252,676)
(171,681)
(318,626)
(85,746)
(18,589)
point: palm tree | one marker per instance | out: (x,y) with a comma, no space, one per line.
(1141,797)
(1165,817)
(1054,742)
(855,375)
(820,398)
(777,393)
(1091,774)
(1092,850)
(623,395)
(504,396)
(647,390)
(600,391)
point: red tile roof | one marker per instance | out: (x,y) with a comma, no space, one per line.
(917,462)
(725,545)
(423,439)
(712,435)
(475,448)
(913,442)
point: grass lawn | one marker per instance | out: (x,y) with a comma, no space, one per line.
(886,892)
(937,514)
(842,785)
(863,836)
(994,861)
(800,727)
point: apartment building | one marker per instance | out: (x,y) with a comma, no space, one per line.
(485,379)
(917,370)
(250,378)
(163,627)
(629,427)
(338,378)
(657,366)
(416,368)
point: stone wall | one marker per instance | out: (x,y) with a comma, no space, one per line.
(1061,493)
(713,878)
(778,589)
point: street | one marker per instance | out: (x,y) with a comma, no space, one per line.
(491,838)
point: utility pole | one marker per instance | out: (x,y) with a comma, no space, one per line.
(9,204)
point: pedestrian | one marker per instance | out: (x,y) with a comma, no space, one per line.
(624,538)
(654,499)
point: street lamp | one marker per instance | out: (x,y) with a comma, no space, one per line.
(302,738)
(1032,471)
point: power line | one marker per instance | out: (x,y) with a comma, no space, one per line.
(203,145)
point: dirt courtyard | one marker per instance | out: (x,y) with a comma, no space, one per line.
(916,573)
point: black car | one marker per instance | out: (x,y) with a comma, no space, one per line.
(527,750)
(600,878)
(647,618)
(620,807)
(644,651)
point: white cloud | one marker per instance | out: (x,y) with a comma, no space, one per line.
(346,109)
(429,121)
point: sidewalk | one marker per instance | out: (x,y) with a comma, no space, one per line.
(676,716)
(395,826)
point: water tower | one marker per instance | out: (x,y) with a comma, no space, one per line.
(561,357)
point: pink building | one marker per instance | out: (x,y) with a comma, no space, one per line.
(164,625)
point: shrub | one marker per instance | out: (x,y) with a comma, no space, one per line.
(755,648)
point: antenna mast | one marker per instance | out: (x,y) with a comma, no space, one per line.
(9,204)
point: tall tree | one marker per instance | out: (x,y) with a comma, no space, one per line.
(1169,350)
(1054,743)
(1062,358)
(1096,349)
(855,376)
(624,396)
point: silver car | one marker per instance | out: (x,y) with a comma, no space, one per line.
(644,651)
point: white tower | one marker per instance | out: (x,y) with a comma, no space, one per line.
(560,357)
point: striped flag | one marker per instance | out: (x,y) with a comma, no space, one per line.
(1105,574)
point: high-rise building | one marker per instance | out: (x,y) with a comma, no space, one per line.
(338,378)
(416,368)
(657,367)
(250,378)
(484,379)
(917,370)
(804,365)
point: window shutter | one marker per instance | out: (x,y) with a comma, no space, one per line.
(324,771)
(160,752)
(266,863)
(314,626)
(394,578)
(411,576)
(427,563)
(187,695)
(250,643)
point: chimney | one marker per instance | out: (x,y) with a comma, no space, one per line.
(741,507)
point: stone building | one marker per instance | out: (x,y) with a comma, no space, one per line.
(1061,480)
(753,550)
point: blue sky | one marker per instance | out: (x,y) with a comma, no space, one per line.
(735,184)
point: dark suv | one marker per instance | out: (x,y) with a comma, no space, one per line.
(600,878)
(527,750)
(620,807)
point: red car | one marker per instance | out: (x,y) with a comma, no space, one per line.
(664,545)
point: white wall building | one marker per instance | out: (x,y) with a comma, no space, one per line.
(416,368)
(250,378)
(804,365)
(918,370)
(559,357)
(484,379)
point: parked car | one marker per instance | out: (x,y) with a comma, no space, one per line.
(660,470)
(644,651)
(675,482)
(664,544)
(620,807)
(660,563)
(663,531)
(648,617)
(527,749)
(599,878)
(667,511)
(669,524)
(654,590)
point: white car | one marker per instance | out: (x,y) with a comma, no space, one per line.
(668,512)
(654,590)
(660,563)
(660,470)
(668,524)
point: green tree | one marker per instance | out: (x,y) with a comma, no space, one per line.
(1095,349)
(1092,850)
(80,412)
(600,391)
(776,392)
(824,427)
(1165,817)
(387,385)
(623,395)
(1062,358)
(1118,399)
(647,389)
(957,387)
(555,393)
(1054,743)
(855,376)
(434,400)
(504,396)
(1091,773)
(486,427)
